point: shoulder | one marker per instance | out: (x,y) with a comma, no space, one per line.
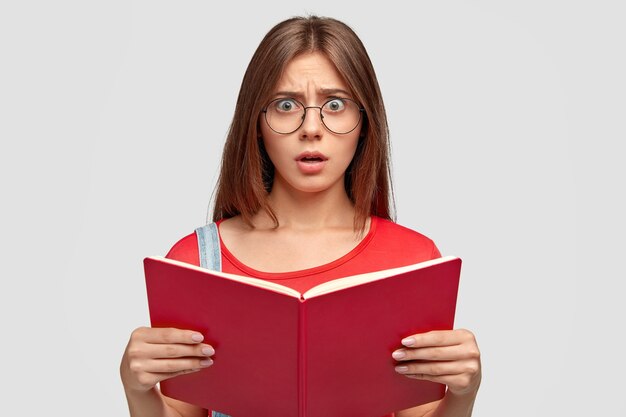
(402,238)
(185,250)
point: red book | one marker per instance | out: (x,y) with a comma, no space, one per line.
(324,353)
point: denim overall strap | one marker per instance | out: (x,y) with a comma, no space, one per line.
(209,247)
(210,258)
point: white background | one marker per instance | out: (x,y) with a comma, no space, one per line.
(507,124)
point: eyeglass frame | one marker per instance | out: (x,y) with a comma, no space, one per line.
(305,108)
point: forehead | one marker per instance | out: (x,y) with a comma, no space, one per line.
(310,71)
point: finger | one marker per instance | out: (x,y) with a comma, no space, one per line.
(438,338)
(168,366)
(458,384)
(148,380)
(442,353)
(159,351)
(437,368)
(442,379)
(186,371)
(167,335)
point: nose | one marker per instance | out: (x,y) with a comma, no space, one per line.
(312,127)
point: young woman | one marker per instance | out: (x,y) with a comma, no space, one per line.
(303,197)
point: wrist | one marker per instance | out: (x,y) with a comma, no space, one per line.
(468,391)
(133,392)
(464,398)
(462,395)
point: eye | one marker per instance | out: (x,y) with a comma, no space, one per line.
(335,105)
(286,105)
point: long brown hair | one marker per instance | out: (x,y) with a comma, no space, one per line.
(247,173)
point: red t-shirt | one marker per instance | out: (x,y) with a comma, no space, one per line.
(386,245)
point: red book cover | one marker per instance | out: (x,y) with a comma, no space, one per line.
(323,353)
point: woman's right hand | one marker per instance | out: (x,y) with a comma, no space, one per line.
(155,354)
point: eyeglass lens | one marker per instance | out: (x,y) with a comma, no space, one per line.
(286,115)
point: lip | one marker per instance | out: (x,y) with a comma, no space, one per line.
(314,167)
(311,154)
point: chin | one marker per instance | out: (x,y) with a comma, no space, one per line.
(313,185)
(312,188)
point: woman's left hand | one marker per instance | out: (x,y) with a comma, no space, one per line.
(449,357)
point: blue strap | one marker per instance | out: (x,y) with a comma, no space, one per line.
(210,258)
(209,247)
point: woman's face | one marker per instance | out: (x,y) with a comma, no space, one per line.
(312,158)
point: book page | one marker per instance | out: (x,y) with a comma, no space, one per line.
(256,282)
(354,280)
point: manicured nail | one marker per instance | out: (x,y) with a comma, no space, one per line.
(208,351)
(409,341)
(197,337)
(398,354)
(402,369)
(206,362)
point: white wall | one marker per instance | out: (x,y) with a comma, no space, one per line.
(507,122)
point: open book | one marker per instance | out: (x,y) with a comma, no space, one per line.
(323,353)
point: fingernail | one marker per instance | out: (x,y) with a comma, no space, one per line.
(206,362)
(409,341)
(402,369)
(197,337)
(398,354)
(208,351)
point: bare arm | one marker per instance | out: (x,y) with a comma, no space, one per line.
(450,406)
(153,403)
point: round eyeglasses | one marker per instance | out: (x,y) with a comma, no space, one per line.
(339,115)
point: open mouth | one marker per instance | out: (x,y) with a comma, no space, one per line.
(311,160)
(311,157)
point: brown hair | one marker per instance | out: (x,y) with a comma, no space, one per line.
(246,174)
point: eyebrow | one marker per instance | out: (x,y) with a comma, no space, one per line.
(323,91)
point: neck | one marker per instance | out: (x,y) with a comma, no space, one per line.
(300,210)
